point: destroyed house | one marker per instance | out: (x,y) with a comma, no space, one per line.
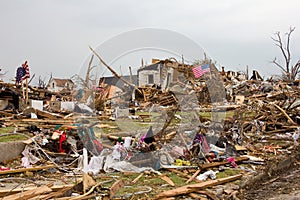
(157,73)
(115,81)
(56,84)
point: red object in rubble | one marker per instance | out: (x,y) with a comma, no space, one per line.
(63,137)
(4,168)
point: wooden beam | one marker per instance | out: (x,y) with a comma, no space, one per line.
(137,178)
(285,114)
(167,179)
(55,194)
(29,194)
(116,187)
(216,164)
(14,171)
(194,175)
(196,196)
(182,174)
(194,187)
(17,190)
(88,182)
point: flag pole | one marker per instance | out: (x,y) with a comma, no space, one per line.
(26,99)
(210,70)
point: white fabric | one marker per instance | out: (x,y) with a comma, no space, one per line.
(25,162)
(106,162)
(211,174)
(28,158)
(127,142)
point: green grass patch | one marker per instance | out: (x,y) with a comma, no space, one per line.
(153,181)
(9,138)
(6,129)
(177,180)
(12,138)
(227,172)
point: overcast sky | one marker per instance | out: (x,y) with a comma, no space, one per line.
(55,35)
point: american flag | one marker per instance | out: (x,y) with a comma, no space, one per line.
(200,70)
(26,67)
(22,73)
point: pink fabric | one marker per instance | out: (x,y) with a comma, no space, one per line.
(232,162)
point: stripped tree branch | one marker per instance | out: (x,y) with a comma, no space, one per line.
(278,65)
(290,71)
(115,73)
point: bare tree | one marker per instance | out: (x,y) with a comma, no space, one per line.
(290,71)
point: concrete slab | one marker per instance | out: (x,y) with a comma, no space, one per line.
(10,150)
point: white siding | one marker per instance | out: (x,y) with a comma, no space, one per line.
(56,88)
(143,77)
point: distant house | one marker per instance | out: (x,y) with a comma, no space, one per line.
(155,74)
(56,84)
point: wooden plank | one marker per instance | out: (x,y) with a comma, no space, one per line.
(48,114)
(29,194)
(167,179)
(116,187)
(194,175)
(55,194)
(216,164)
(194,187)
(44,121)
(182,174)
(14,171)
(54,188)
(196,196)
(137,178)
(80,197)
(209,194)
(240,148)
(88,182)
(285,114)
(84,196)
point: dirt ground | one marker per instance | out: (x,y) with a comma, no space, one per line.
(280,180)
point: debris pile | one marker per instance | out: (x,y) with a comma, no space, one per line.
(185,140)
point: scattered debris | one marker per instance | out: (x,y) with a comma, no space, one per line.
(76,148)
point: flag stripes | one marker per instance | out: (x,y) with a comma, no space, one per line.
(201,70)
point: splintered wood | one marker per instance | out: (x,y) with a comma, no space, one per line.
(29,194)
(191,188)
(116,187)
